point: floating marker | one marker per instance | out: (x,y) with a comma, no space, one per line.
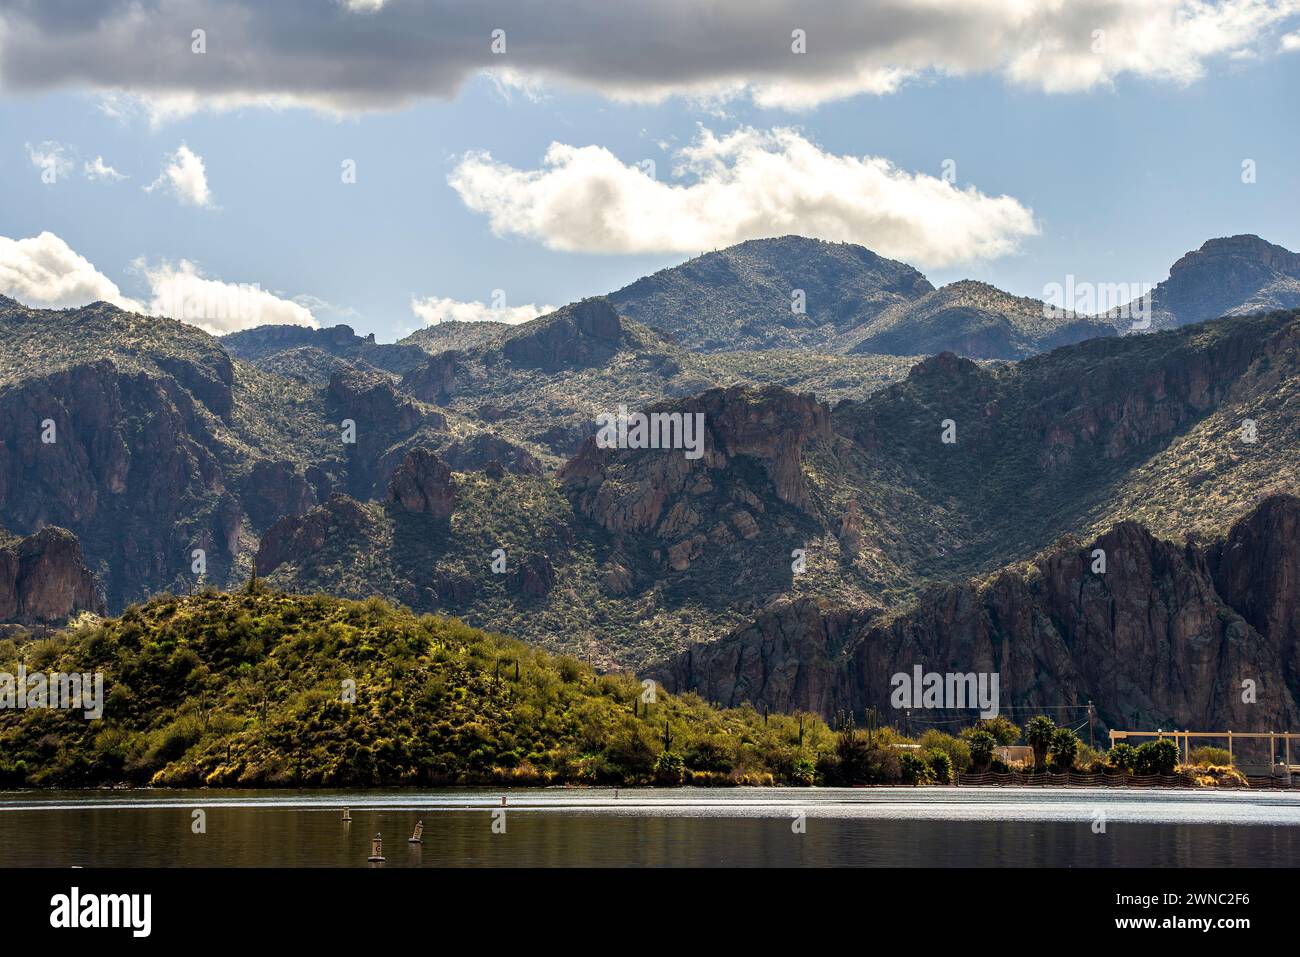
(376,849)
(418,836)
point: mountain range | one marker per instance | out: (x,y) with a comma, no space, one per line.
(894,475)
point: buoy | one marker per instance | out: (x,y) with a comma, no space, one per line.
(376,849)
(347,815)
(418,836)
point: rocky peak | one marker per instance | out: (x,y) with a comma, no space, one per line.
(583,334)
(423,483)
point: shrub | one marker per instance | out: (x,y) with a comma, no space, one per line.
(940,765)
(1122,757)
(1211,757)
(914,769)
(668,769)
(1157,757)
(958,751)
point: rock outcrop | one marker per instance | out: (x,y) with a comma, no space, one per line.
(584,334)
(298,538)
(642,490)
(423,483)
(44,580)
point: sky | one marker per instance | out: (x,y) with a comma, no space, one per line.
(389,164)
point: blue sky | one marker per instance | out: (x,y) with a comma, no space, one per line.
(1119,180)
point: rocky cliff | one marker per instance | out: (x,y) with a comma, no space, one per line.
(44,580)
(1162,634)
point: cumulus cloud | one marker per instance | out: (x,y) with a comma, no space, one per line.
(181,291)
(185,177)
(369,54)
(44,271)
(1291,41)
(433,310)
(745,185)
(99,170)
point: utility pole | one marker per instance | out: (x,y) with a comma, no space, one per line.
(1091,743)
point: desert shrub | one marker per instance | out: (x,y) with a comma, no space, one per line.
(914,769)
(1156,757)
(1211,757)
(958,751)
(940,765)
(668,769)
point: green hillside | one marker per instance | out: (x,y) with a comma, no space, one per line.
(247,690)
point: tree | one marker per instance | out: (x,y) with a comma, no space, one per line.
(1064,748)
(1038,733)
(982,744)
(1003,731)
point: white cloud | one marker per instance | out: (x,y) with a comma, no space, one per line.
(748,184)
(374,55)
(433,310)
(181,291)
(100,170)
(1291,41)
(185,177)
(51,158)
(44,271)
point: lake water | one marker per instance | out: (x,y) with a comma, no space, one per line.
(683,827)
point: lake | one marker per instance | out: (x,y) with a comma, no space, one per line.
(745,827)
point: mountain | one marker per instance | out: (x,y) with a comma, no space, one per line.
(312,355)
(1232,276)
(252,690)
(971,319)
(627,556)
(741,297)
(1162,637)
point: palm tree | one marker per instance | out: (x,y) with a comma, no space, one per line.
(1038,733)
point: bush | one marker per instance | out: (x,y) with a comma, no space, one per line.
(958,751)
(940,765)
(914,769)
(1122,757)
(668,769)
(1207,757)
(1157,757)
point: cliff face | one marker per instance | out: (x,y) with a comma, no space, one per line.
(632,490)
(1165,636)
(43,579)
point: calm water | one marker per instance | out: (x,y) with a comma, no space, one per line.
(744,827)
